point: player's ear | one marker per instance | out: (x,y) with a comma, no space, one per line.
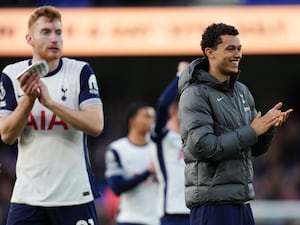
(28,38)
(209,52)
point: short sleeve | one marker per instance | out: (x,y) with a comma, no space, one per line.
(89,91)
(8,100)
(113,164)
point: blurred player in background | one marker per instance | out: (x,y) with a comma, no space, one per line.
(51,117)
(128,172)
(168,157)
(221,132)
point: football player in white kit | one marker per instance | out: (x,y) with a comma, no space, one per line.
(168,157)
(51,117)
(128,172)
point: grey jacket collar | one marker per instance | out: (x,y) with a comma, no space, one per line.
(197,72)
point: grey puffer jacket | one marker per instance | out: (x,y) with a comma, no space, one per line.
(218,141)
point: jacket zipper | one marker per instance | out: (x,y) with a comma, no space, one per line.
(236,100)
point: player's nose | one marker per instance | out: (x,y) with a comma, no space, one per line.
(53,37)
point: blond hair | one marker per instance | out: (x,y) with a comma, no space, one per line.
(48,11)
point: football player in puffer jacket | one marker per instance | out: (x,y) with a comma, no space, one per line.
(221,131)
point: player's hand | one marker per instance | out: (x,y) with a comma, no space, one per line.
(44,96)
(181,66)
(261,124)
(283,117)
(29,83)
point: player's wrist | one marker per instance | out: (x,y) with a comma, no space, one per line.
(48,104)
(29,99)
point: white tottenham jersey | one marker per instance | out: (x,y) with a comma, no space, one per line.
(52,166)
(138,205)
(169,166)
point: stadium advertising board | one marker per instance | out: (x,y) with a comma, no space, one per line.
(157,30)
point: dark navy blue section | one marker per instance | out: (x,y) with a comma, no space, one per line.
(117,157)
(9,97)
(160,131)
(225,214)
(270,2)
(175,219)
(92,178)
(163,169)
(162,109)
(119,184)
(85,92)
(54,71)
(22,214)
(66,3)
(130,224)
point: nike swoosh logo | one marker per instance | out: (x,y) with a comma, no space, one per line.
(20,96)
(220,99)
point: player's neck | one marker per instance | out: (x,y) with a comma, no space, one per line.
(137,138)
(219,76)
(52,64)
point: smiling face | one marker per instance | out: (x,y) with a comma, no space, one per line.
(45,38)
(224,59)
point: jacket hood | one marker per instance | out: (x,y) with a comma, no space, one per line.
(197,72)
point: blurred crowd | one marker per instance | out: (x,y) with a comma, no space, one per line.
(277,173)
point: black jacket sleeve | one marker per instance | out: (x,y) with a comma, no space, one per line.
(264,142)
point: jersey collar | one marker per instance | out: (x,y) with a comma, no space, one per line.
(54,71)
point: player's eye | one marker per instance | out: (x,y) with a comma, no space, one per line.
(58,32)
(45,32)
(234,48)
(230,48)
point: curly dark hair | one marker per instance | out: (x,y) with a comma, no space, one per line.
(211,36)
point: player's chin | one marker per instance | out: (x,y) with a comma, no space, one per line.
(52,56)
(233,71)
